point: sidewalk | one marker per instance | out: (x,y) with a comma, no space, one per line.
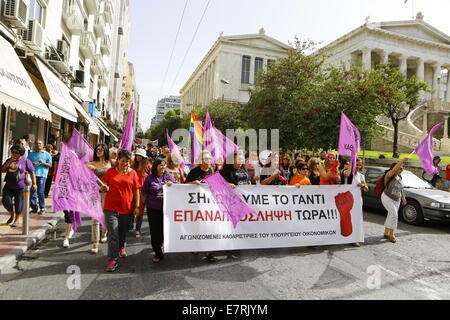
(13,244)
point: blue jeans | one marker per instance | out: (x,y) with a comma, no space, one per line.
(39,193)
(13,200)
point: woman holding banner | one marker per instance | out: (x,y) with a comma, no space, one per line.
(270,173)
(122,187)
(392,197)
(301,175)
(173,168)
(153,194)
(235,173)
(196,176)
(99,165)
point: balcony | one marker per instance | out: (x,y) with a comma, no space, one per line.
(87,45)
(92,6)
(97,66)
(106,45)
(73,17)
(109,12)
(100,26)
(103,80)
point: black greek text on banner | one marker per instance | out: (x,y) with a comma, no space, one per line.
(285,217)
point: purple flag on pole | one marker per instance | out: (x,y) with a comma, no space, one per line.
(218,144)
(82,148)
(230,202)
(75,218)
(76,187)
(425,151)
(128,132)
(349,140)
(174,150)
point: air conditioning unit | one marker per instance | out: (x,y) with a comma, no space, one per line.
(34,35)
(15,12)
(63,50)
(79,79)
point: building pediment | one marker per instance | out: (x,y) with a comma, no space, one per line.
(416,29)
(258,41)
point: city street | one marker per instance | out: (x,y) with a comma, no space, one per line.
(417,267)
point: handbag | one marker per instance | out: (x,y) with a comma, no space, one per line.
(16,176)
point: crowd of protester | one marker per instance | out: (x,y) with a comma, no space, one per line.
(132,184)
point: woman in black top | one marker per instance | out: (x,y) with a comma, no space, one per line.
(270,174)
(314,174)
(286,167)
(235,173)
(197,174)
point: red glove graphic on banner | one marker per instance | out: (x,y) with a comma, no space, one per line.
(344,203)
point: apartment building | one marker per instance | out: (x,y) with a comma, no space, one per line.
(61,62)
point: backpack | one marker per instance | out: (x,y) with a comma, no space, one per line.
(379,185)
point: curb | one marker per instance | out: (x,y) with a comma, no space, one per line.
(9,260)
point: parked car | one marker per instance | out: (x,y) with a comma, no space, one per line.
(424,201)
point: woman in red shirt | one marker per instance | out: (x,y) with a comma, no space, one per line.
(122,187)
(329,173)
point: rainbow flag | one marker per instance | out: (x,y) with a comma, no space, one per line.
(196,131)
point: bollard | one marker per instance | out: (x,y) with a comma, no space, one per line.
(26,206)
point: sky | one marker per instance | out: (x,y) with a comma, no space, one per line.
(154,26)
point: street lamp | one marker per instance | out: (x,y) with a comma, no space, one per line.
(226,82)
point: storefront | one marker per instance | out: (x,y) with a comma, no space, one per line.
(109,137)
(23,111)
(87,126)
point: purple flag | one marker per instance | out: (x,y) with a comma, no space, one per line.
(218,144)
(81,147)
(174,150)
(349,140)
(128,132)
(75,218)
(76,187)
(425,151)
(230,202)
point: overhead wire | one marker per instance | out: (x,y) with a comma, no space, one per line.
(173,49)
(190,45)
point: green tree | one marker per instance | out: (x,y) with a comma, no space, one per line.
(398,96)
(224,115)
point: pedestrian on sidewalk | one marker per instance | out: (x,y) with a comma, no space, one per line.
(143,168)
(42,162)
(52,171)
(122,187)
(100,164)
(392,197)
(153,193)
(16,169)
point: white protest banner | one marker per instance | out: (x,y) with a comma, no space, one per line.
(286,217)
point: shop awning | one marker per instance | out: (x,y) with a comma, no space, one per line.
(60,101)
(17,91)
(105,129)
(93,128)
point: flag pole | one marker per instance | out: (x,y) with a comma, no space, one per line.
(411,154)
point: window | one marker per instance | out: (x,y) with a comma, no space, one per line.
(36,11)
(258,67)
(245,75)
(270,62)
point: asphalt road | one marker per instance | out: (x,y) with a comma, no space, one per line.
(416,267)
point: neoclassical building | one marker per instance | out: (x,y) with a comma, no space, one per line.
(230,69)
(417,49)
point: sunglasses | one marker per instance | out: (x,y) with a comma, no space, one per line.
(15,152)
(100,149)
(304,169)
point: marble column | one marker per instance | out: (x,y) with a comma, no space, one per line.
(446,127)
(420,71)
(384,57)
(448,85)
(436,75)
(403,65)
(367,58)
(425,124)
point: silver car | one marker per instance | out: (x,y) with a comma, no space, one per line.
(424,201)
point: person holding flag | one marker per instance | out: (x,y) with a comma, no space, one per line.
(122,187)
